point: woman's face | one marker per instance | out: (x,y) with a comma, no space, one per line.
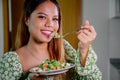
(43,22)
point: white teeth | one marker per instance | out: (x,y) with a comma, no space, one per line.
(47,32)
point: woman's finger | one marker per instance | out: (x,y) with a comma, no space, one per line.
(86,23)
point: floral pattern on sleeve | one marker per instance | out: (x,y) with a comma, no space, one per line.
(10,67)
(89,72)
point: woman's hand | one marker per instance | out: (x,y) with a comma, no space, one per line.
(36,76)
(86,36)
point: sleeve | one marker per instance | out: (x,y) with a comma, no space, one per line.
(10,67)
(90,71)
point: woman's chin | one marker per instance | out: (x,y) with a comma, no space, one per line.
(46,40)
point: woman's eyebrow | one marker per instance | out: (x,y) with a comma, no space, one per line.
(42,13)
(46,14)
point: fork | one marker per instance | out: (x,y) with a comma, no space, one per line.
(68,33)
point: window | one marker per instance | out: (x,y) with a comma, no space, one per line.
(114,8)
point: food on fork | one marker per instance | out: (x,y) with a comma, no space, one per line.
(57,35)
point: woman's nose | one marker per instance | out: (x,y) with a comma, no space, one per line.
(49,23)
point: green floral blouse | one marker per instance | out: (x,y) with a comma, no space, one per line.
(11,68)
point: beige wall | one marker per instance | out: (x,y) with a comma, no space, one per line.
(71,15)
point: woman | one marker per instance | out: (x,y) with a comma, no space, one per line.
(35,43)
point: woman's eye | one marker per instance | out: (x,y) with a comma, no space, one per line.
(55,19)
(42,17)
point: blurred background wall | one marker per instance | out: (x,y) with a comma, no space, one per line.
(1,28)
(101,14)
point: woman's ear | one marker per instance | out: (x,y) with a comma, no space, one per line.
(26,20)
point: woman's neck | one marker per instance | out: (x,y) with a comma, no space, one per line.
(33,54)
(37,47)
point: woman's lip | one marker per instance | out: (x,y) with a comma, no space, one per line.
(46,33)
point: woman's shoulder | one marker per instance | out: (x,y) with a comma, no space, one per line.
(11,57)
(10,54)
(10,66)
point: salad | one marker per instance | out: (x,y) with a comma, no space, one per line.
(51,65)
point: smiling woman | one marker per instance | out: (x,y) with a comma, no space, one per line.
(34,43)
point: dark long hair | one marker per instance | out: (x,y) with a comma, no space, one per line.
(55,46)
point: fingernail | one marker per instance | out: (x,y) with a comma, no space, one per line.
(87,22)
